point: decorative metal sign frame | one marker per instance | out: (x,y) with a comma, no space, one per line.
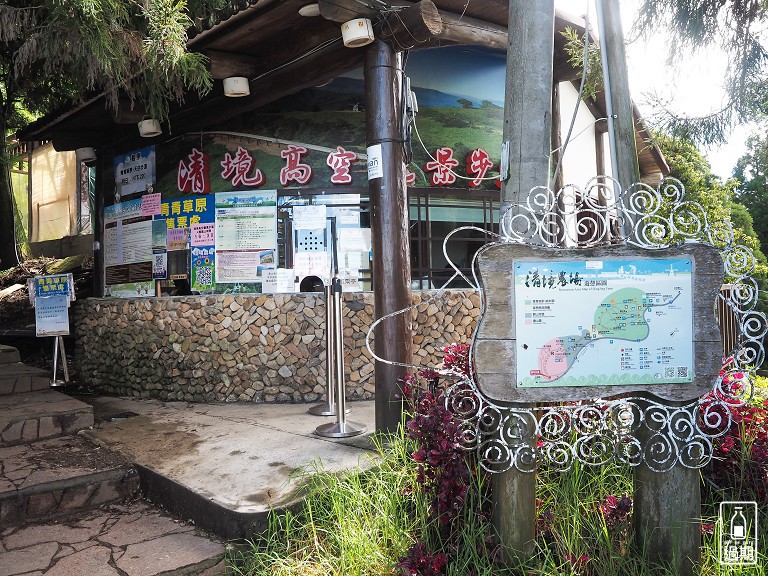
(630,429)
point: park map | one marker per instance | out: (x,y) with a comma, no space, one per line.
(604,322)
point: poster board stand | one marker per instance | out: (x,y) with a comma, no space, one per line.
(332,332)
(58,350)
(51,296)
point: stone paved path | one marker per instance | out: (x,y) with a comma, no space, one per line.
(117,540)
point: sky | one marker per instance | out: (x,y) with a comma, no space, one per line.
(692,85)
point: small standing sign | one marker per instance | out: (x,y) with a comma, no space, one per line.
(51,296)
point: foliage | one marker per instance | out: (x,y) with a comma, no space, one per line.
(55,53)
(574,47)
(719,200)
(52,51)
(740,458)
(752,173)
(395,519)
(350,524)
(737,28)
(448,475)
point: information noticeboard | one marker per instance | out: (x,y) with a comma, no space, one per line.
(568,325)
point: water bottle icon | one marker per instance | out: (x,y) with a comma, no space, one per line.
(738,525)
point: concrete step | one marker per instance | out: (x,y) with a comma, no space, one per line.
(34,416)
(9,355)
(18,378)
(60,476)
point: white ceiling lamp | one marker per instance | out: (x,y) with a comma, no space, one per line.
(86,154)
(357,32)
(236,87)
(149,128)
(310,10)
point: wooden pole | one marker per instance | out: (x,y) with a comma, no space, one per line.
(393,339)
(527,106)
(666,512)
(527,131)
(666,504)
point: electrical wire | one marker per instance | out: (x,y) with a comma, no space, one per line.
(580,132)
(569,136)
(298,58)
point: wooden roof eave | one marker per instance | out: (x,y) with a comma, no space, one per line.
(92,123)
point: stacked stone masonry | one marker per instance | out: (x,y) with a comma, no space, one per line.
(246,348)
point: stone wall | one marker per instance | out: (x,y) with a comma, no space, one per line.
(250,348)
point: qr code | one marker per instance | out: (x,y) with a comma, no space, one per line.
(676,372)
(204,276)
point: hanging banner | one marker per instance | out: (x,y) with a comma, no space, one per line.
(246,235)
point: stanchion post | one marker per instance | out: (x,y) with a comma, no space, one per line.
(329,407)
(342,428)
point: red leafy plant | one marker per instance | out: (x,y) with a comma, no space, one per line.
(616,510)
(740,457)
(444,467)
(422,562)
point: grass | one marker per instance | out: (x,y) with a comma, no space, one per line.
(365,522)
(357,523)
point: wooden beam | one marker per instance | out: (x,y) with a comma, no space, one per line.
(465,30)
(344,10)
(128,112)
(411,26)
(226,64)
(527,134)
(322,67)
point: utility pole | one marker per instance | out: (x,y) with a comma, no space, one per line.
(393,338)
(621,122)
(527,139)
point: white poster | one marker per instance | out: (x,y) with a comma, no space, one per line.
(246,234)
(136,244)
(604,322)
(309,217)
(279,280)
(375,166)
(312,264)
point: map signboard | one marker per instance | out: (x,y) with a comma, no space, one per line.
(603,322)
(563,325)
